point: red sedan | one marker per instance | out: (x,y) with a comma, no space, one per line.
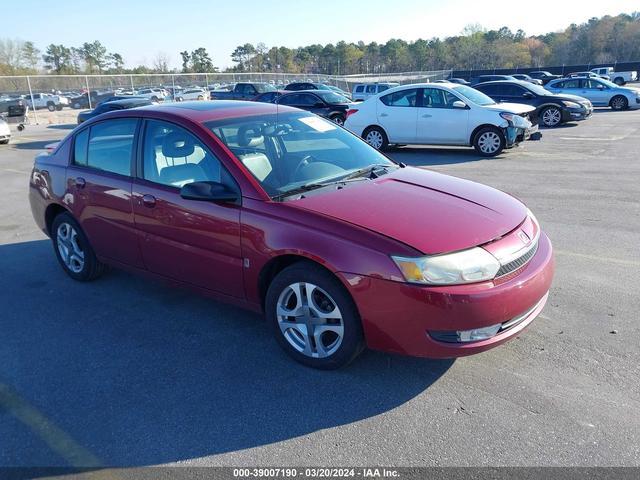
(283,212)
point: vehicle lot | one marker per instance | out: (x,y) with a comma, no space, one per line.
(127,372)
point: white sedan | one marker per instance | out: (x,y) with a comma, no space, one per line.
(193,94)
(440,114)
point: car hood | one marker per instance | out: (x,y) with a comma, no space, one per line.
(517,108)
(428,211)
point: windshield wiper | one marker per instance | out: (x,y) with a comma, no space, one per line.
(369,171)
(313,186)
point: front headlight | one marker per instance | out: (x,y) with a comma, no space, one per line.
(467,266)
(507,116)
(569,104)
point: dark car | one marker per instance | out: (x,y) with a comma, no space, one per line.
(82,100)
(297,86)
(490,78)
(284,213)
(551,109)
(327,104)
(113,105)
(113,98)
(544,76)
(269,97)
(526,78)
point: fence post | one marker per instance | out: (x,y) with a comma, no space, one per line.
(173,85)
(206,81)
(86,81)
(33,104)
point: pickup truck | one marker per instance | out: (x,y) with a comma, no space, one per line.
(46,100)
(619,78)
(243,91)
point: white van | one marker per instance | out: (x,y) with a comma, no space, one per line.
(362,91)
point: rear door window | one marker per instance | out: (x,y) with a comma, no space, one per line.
(360,89)
(403,98)
(111,145)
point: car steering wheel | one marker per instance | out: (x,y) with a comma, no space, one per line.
(306,160)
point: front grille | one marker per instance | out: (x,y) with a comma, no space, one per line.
(519,262)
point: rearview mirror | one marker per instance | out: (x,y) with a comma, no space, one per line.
(208,191)
(459,104)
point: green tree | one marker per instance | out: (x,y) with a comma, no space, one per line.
(57,58)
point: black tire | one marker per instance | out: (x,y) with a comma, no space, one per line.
(20,127)
(337,119)
(76,106)
(352,342)
(380,141)
(619,102)
(154,99)
(551,116)
(4,142)
(487,133)
(619,81)
(92,267)
(51,107)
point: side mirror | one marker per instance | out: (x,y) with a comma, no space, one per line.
(459,104)
(600,87)
(527,95)
(208,191)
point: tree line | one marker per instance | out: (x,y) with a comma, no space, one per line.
(599,40)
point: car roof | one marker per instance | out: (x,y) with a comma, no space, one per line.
(129,101)
(505,82)
(205,111)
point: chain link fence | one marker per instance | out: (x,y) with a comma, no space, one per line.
(92,87)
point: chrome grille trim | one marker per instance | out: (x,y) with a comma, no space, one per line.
(521,259)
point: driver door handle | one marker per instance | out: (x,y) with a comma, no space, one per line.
(384,115)
(149,201)
(427,115)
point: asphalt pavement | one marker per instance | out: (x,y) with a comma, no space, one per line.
(128,372)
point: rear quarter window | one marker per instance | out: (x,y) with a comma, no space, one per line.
(80,148)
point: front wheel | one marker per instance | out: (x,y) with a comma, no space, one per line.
(313,317)
(376,137)
(489,142)
(551,117)
(619,103)
(73,250)
(51,107)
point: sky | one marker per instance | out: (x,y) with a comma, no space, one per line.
(140,29)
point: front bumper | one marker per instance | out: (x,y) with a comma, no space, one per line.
(397,317)
(576,114)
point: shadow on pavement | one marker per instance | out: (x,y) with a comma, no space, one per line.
(34,145)
(417,156)
(138,373)
(65,126)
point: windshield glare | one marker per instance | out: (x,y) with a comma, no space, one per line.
(332,98)
(288,150)
(474,95)
(537,89)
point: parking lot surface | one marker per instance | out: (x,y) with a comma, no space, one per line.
(125,372)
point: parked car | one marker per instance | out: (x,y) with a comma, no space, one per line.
(460,81)
(440,114)
(269,97)
(587,74)
(111,106)
(362,91)
(154,94)
(193,94)
(82,100)
(619,78)
(8,104)
(297,86)
(544,76)
(243,91)
(46,100)
(5,132)
(285,213)
(526,78)
(325,103)
(551,109)
(339,91)
(601,93)
(113,98)
(489,78)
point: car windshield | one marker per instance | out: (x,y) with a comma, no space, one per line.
(606,82)
(332,98)
(287,152)
(474,95)
(537,89)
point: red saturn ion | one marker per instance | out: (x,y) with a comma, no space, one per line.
(282,212)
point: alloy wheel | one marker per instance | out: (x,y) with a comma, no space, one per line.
(489,142)
(551,117)
(70,251)
(338,120)
(374,138)
(618,103)
(310,320)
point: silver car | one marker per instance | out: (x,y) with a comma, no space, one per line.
(5,133)
(601,93)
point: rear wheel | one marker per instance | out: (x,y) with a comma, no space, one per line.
(551,117)
(376,137)
(619,102)
(4,142)
(51,107)
(337,119)
(619,81)
(73,250)
(313,317)
(489,142)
